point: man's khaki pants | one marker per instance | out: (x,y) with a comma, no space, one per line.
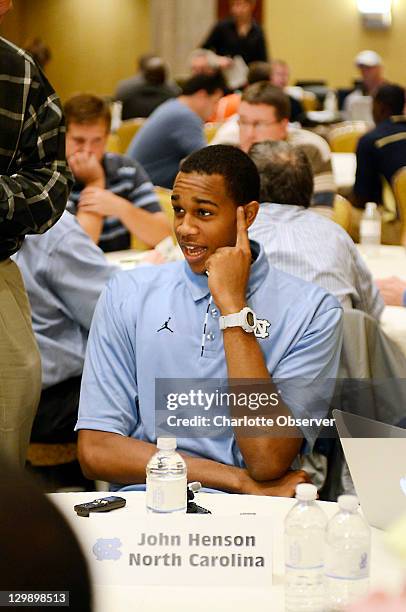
(20,366)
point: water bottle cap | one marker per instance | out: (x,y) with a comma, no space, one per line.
(370,208)
(306,492)
(348,502)
(166,443)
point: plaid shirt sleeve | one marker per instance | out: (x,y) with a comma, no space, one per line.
(34,176)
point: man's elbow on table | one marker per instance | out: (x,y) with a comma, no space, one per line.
(262,469)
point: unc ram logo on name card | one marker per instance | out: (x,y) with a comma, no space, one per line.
(181,550)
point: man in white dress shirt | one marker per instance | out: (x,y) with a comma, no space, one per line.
(303,243)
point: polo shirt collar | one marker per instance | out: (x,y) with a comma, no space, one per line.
(198,283)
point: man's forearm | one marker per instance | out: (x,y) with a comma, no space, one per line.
(123,460)
(117,458)
(149,227)
(270,455)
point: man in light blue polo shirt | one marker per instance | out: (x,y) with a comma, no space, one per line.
(196,319)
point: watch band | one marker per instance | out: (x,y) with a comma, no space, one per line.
(231,320)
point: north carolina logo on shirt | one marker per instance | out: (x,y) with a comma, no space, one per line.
(261,329)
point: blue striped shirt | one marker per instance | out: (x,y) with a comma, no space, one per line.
(127,179)
(309,246)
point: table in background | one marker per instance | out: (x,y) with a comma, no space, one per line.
(386,571)
(127,259)
(344,167)
(389,261)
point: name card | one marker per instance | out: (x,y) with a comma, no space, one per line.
(180,550)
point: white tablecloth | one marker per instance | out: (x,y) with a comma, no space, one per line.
(127,259)
(344,167)
(386,571)
(389,261)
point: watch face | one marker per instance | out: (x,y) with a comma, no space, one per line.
(250,319)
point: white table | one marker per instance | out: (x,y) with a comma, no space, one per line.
(386,571)
(127,259)
(390,261)
(344,167)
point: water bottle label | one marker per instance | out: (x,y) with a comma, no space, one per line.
(370,228)
(349,565)
(303,553)
(166,495)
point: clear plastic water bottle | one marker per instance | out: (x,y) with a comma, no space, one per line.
(304,549)
(370,228)
(166,483)
(348,540)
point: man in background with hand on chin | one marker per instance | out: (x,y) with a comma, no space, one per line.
(254,327)
(113,196)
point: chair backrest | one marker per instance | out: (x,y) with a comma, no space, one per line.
(211,128)
(344,137)
(127,131)
(372,370)
(309,101)
(113,144)
(164,197)
(342,212)
(399,189)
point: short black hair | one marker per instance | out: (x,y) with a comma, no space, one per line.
(392,98)
(155,72)
(285,172)
(208,82)
(240,174)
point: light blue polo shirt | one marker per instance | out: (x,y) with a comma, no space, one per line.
(126,353)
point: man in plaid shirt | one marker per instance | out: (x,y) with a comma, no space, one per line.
(34,186)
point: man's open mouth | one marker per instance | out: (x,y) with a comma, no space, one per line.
(193,252)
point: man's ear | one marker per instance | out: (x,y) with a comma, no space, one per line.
(251,211)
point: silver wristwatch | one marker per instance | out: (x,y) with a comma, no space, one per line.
(246,318)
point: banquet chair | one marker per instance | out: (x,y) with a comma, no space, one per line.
(344,137)
(370,382)
(127,131)
(210,129)
(113,144)
(164,197)
(51,454)
(342,212)
(56,466)
(309,101)
(399,190)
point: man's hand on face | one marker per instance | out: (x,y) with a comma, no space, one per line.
(101,201)
(229,269)
(86,168)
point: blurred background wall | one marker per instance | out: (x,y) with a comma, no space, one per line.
(95,42)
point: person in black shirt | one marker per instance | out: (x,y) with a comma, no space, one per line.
(382,151)
(238,35)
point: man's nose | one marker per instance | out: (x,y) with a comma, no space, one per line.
(187,226)
(86,147)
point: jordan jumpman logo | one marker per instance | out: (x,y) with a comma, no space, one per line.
(165,326)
